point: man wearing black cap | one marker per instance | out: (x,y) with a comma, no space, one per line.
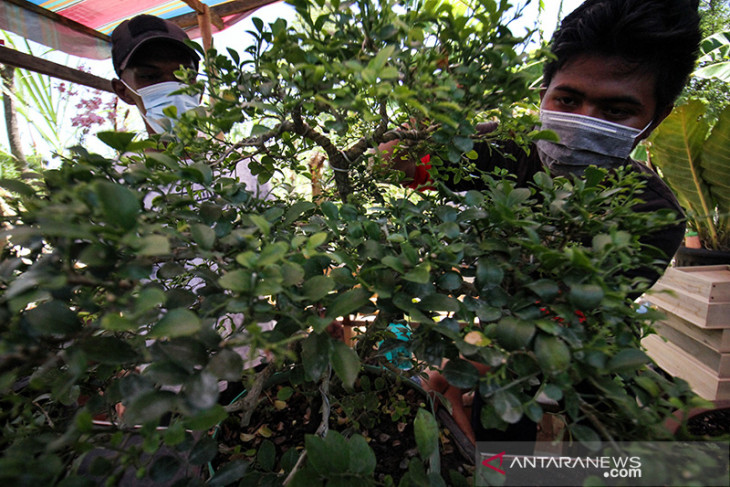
(146,52)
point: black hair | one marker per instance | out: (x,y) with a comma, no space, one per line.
(659,37)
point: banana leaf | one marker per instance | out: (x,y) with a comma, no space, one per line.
(695,162)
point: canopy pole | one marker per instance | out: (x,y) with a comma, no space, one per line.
(205,19)
(205,29)
(19,59)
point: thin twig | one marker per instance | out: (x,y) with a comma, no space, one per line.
(323,427)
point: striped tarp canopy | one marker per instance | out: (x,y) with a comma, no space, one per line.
(82,27)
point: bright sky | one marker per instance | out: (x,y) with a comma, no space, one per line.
(236,38)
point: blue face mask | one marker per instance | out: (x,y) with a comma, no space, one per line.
(585,141)
(156,98)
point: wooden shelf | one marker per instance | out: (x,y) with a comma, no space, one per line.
(678,362)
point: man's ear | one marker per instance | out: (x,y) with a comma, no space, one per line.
(661,115)
(123,92)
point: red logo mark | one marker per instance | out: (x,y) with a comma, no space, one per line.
(501,459)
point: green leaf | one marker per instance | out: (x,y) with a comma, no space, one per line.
(394,263)
(348,302)
(226,365)
(460,373)
(426,431)
(292,273)
(261,223)
(421,274)
(176,323)
(440,302)
(240,280)
(297,210)
(272,253)
(118,203)
(149,299)
(677,146)
(489,273)
(586,296)
(330,210)
(153,245)
(362,458)
(53,317)
(553,355)
(315,355)
(206,419)
(119,141)
(545,289)
(450,281)
(317,287)
(464,144)
(108,350)
(378,62)
(627,360)
(149,406)
(514,334)
(164,468)
(266,455)
(329,455)
(203,235)
(507,406)
(229,474)
(585,435)
(16,186)
(716,173)
(346,363)
(203,451)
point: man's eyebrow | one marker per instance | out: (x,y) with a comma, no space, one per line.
(145,66)
(631,100)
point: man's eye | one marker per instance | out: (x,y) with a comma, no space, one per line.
(616,113)
(566,101)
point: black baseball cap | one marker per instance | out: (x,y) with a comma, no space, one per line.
(133,33)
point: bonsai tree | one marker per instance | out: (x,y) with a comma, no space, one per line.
(133,287)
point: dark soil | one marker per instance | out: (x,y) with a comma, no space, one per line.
(381,411)
(710,423)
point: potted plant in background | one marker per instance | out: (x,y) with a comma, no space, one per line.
(690,151)
(133,287)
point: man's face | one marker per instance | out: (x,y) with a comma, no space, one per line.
(156,63)
(606,88)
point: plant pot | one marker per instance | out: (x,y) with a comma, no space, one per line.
(686,256)
(703,421)
(383,412)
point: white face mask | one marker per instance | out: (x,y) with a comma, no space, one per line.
(584,141)
(155,98)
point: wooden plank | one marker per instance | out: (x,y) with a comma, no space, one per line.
(716,361)
(691,307)
(19,59)
(203,9)
(711,282)
(679,363)
(71,24)
(714,339)
(223,10)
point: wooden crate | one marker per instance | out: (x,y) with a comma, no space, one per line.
(716,361)
(694,308)
(717,339)
(678,362)
(710,282)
